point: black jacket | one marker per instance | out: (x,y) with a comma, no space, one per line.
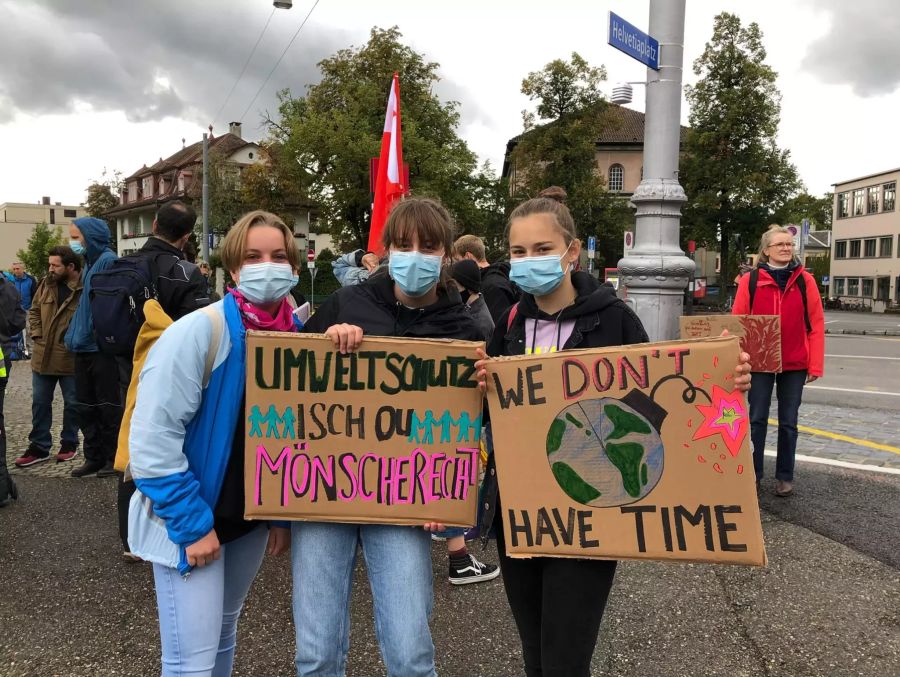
(180,286)
(373,306)
(499,293)
(12,315)
(601,320)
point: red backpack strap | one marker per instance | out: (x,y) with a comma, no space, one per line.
(513,311)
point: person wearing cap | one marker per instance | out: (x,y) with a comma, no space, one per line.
(467,276)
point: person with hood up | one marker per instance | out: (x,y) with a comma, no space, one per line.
(499,293)
(467,277)
(557,603)
(97,392)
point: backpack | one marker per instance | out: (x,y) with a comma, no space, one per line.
(117,299)
(801,285)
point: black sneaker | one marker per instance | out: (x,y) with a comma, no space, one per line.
(107,470)
(472,571)
(87,468)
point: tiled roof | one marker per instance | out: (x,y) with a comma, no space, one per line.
(226,144)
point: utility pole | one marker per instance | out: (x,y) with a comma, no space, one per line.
(204,245)
(656,271)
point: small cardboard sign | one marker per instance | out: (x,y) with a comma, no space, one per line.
(760,335)
(635,452)
(389,434)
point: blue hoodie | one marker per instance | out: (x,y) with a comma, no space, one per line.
(98,256)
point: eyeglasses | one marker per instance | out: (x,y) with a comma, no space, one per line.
(782,245)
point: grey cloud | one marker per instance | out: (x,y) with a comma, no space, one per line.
(861,47)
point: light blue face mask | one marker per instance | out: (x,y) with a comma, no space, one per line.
(266,282)
(77,247)
(538,275)
(414,272)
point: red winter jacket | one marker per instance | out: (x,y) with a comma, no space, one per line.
(799,350)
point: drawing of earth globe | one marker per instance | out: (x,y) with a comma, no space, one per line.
(604,452)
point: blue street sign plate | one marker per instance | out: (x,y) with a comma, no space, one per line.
(592,244)
(633,41)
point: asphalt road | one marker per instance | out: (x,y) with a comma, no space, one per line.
(839,321)
(860,371)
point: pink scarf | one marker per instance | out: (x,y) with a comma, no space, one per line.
(256,318)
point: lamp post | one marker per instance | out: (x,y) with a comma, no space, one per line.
(204,245)
(656,271)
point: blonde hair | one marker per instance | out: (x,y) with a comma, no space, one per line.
(235,244)
(766,241)
(470,244)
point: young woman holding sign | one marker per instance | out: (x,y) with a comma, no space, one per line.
(186,454)
(558,603)
(415,299)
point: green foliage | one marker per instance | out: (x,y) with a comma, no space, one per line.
(562,151)
(326,282)
(819,266)
(330,134)
(103,195)
(733,172)
(42,240)
(806,206)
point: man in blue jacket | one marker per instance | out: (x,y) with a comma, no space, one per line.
(97,393)
(26,285)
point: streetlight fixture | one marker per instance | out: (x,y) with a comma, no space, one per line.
(283,4)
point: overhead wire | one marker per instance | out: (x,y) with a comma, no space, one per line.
(266,81)
(244,69)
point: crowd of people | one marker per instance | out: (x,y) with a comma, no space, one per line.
(179,379)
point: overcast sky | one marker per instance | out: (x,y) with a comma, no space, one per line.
(88,85)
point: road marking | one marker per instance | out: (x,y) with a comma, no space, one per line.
(863,357)
(840,464)
(853,390)
(830,321)
(843,438)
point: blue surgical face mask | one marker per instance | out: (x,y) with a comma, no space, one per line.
(77,247)
(538,275)
(414,272)
(266,282)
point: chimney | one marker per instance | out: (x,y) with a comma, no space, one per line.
(235,128)
(45,200)
(58,204)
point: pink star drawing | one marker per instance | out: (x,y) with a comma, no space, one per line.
(726,416)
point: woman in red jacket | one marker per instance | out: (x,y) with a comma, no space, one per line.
(782,287)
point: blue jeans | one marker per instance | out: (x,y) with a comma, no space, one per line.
(398,560)
(789,389)
(198,614)
(42,388)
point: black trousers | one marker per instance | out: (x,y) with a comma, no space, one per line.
(99,404)
(6,482)
(558,604)
(126,489)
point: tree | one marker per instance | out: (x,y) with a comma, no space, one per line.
(562,150)
(102,195)
(42,240)
(328,136)
(806,206)
(733,172)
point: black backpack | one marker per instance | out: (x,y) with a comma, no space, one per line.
(118,295)
(801,285)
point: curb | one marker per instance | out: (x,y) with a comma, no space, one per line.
(864,332)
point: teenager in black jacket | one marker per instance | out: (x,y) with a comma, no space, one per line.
(557,603)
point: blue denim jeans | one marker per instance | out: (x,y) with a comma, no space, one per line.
(398,561)
(789,389)
(198,614)
(42,388)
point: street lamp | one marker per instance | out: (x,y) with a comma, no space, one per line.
(283,4)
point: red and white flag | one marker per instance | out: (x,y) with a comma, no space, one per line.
(390,184)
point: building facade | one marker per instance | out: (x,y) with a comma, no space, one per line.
(178,177)
(18,219)
(865,248)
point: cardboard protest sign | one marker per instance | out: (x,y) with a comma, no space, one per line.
(760,335)
(636,452)
(389,434)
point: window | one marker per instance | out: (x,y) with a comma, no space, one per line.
(890,196)
(852,286)
(69,213)
(147,186)
(840,249)
(843,205)
(616,178)
(868,287)
(855,246)
(132,191)
(859,196)
(886,246)
(872,204)
(870,248)
(838,286)
(52,216)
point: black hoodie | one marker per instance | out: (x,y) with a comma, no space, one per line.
(499,293)
(373,306)
(601,320)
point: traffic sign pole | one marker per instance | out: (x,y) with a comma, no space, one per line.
(311,264)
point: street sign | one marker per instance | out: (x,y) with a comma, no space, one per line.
(805,225)
(825,280)
(592,246)
(312,266)
(629,240)
(634,42)
(311,255)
